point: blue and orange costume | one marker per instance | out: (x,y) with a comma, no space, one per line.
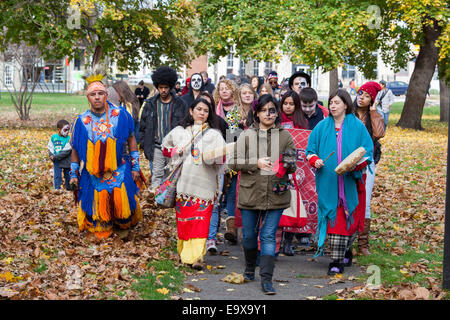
(107,194)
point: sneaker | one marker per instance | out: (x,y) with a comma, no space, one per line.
(211,246)
(305,241)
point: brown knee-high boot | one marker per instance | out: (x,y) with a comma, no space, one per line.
(231,232)
(363,239)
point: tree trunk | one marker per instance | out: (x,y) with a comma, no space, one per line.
(411,116)
(333,80)
(444,95)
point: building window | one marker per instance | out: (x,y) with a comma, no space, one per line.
(256,68)
(77,64)
(300,67)
(241,67)
(8,75)
(348,72)
(230,58)
(54,71)
(268,67)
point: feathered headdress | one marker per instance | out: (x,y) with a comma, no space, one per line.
(97,72)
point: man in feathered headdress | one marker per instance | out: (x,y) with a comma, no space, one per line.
(107,187)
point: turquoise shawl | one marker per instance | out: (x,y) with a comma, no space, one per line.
(322,141)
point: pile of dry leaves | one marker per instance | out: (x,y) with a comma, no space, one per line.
(43,255)
(409,205)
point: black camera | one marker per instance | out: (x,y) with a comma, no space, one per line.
(289,159)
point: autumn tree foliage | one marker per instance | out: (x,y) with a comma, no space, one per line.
(132,33)
(328,33)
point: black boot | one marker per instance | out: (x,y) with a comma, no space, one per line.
(348,258)
(250,264)
(266,272)
(335,267)
(287,243)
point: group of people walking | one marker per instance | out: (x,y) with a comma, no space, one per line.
(248,182)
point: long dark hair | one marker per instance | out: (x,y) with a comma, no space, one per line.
(345,97)
(212,118)
(262,101)
(299,116)
(127,96)
(368,125)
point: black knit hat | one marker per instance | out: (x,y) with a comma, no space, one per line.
(299,74)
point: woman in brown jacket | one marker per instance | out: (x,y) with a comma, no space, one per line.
(365,109)
(262,157)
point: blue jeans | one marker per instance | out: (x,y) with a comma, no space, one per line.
(136,131)
(385,116)
(230,198)
(150,165)
(264,223)
(215,218)
(57,176)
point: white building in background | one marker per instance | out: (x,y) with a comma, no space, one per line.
(65,75)
(62,75)
(232,64)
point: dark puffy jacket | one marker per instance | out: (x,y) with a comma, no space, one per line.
(148,124)
(209,86)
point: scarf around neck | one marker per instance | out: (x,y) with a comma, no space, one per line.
(219,109)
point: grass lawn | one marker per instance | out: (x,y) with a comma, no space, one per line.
(48,102)
(46,110)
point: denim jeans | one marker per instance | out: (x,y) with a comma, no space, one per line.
(385,116)
(136,131)
(215,217)
(150,165)
(264,223)
(57,176)
(230,197)
(159,173)
(370,181)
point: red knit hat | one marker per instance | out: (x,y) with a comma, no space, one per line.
(371,88)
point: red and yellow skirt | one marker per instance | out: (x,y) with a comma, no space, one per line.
(193,218)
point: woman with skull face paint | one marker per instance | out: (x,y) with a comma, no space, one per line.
(263,187)
(196,86)
(226,98)
(59,152)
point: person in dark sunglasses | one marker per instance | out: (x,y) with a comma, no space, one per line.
(263,194)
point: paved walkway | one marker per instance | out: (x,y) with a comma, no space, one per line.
(297,277)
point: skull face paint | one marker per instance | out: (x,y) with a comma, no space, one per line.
(65,130)
(196,81)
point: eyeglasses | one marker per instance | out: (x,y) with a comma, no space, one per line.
(272,81)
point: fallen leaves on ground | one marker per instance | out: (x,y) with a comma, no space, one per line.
(43,255)
(234,277)
(409,205)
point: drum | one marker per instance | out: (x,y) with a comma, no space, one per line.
(350,161)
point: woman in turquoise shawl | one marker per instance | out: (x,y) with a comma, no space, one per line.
(341,202)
